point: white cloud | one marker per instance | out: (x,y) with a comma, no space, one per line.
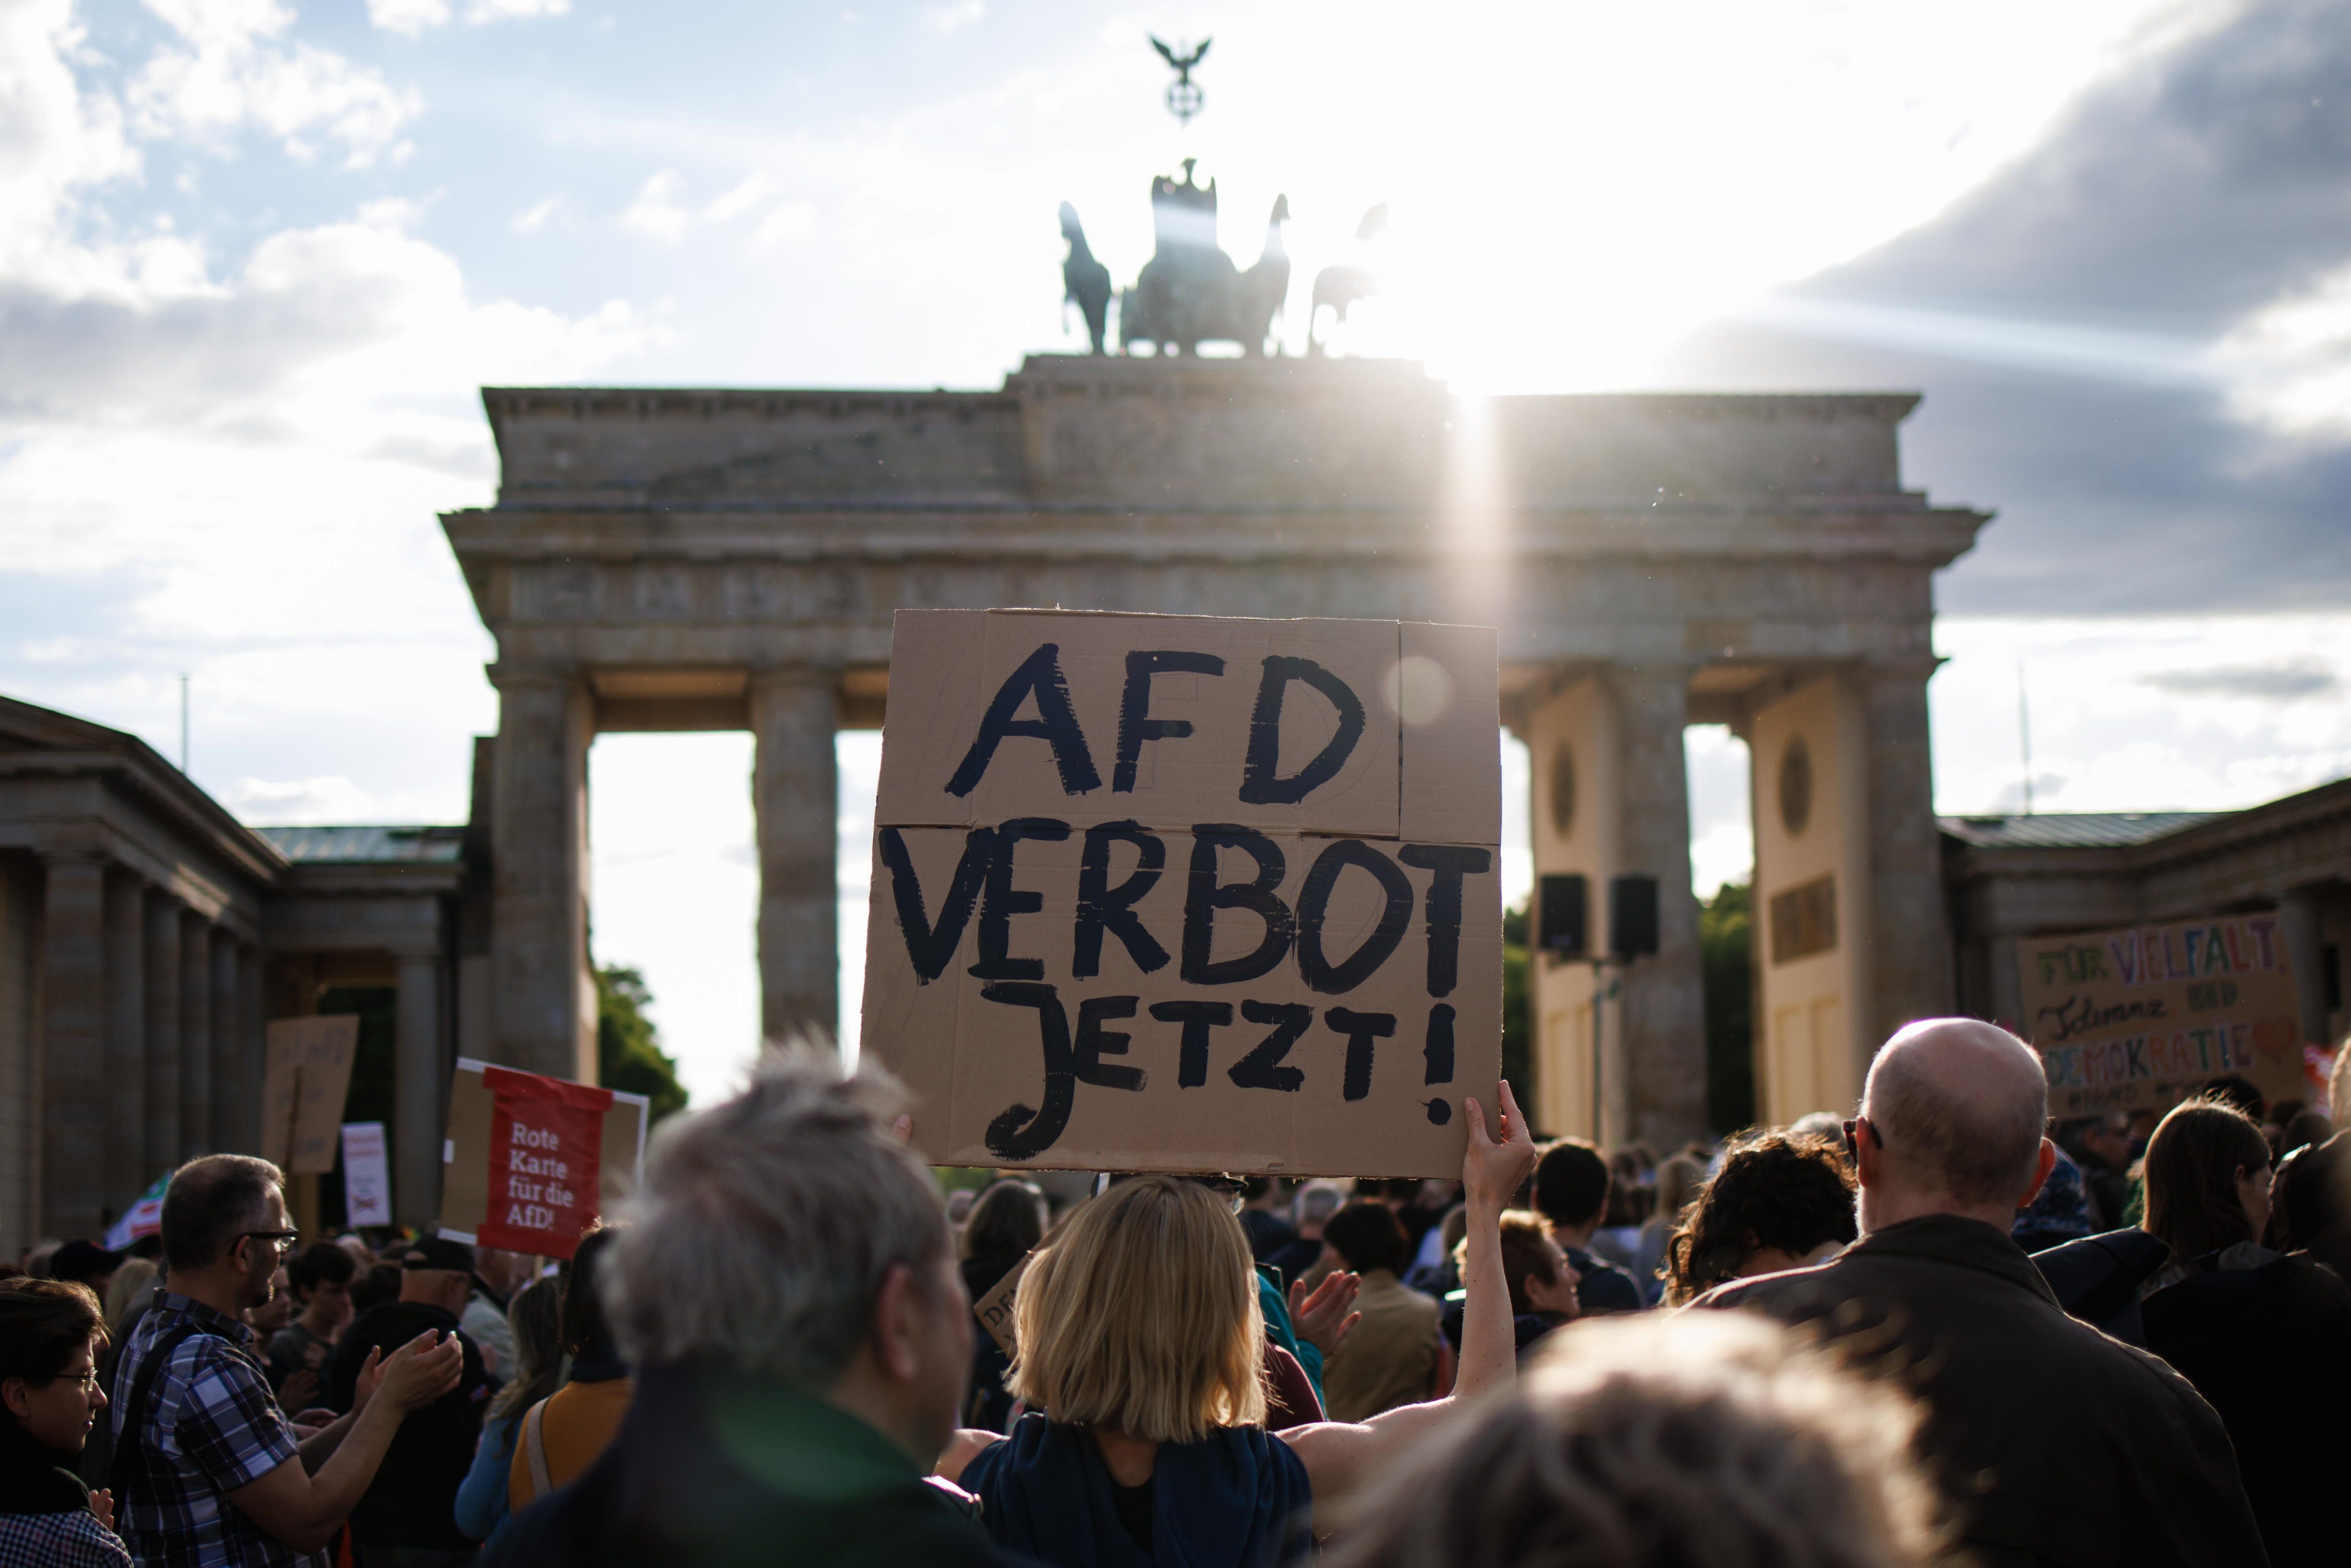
(653,214)
(408,18)
(955,17)
(329,798)
(412,17)
(533,218)
(232,70)
(754,189)
(2292,362)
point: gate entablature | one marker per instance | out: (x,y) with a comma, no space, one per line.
(701,560)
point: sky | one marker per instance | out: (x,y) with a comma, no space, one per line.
(256,259)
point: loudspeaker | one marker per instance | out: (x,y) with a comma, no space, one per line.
(1564,906)
(1633,915)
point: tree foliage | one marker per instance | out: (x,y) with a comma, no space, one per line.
(1726,963)
(629,1056)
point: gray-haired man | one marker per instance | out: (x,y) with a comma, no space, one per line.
(787,1291)
(2056,1443)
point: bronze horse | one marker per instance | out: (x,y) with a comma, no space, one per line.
(1085,282)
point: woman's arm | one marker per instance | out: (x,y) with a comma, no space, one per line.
(482,1495)
(1336,1454)
(961,1449)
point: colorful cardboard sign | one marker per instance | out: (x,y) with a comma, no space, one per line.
(1168,892)
(367,1175)
(2137,1017)
(531,1162)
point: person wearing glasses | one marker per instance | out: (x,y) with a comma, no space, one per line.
(207,1471)
(2054,1443)
(50,1333)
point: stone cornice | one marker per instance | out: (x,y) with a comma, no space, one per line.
(164,787)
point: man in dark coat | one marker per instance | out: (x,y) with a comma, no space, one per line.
(788,1292)
(408,1515)
(2055,1444)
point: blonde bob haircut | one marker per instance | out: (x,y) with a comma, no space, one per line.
(1141,1317)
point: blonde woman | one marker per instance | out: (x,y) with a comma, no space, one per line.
(1139,1356)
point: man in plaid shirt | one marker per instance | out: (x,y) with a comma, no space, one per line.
(207,1469)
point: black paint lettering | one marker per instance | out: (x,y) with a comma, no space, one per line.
(1361,1029)
(1262,1068)
(1260,783)
(1450,864)
(1095,1042)
(1438,1052)
(1056,725)
(1314,902)
(1204,895)
(1135,724)
(1002,901)
(1018,1132)
(1192,1051)
(932,947)
(1101,907)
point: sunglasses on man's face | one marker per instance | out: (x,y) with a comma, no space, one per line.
(281,1239)
(1853,1140)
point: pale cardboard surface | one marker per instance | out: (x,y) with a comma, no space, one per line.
(994,1310)
(1433,766)
(465,1155)
(2136,1017)
(306,1077)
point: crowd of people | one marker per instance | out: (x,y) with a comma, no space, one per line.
(1941,1331)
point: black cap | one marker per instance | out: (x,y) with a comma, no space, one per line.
(439,1252)
(78,1260)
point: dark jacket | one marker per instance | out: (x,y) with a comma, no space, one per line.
(713,1468)
(1238,1498)
(412,1502)
(2271,1347)
(2055,1444)
(1601,1287)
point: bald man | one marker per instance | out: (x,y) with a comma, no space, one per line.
(2055,1444)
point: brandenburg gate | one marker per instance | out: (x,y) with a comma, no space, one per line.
(663,559)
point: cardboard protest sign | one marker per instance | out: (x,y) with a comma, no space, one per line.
(367,1177)
(2137,1017)
(994,1308)
(1172,893)
(306,1077)
(530,1161)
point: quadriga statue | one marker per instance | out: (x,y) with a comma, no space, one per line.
(1190,292)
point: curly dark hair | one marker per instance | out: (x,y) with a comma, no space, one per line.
(1772,1190)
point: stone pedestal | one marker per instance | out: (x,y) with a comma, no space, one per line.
(542,995)
(73,1056)
(795,794)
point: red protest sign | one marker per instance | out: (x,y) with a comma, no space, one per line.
(547,1140)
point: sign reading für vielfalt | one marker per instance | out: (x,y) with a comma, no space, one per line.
(1169,893)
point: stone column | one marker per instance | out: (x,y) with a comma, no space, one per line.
(794,793)
(127,1175)
(253,1038)
(73,1053)
(2298,922)
(418,1070)
(236,1076)
(1910,938)
(163,1109)
(196,1036)
(542,995)
(1665,999)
